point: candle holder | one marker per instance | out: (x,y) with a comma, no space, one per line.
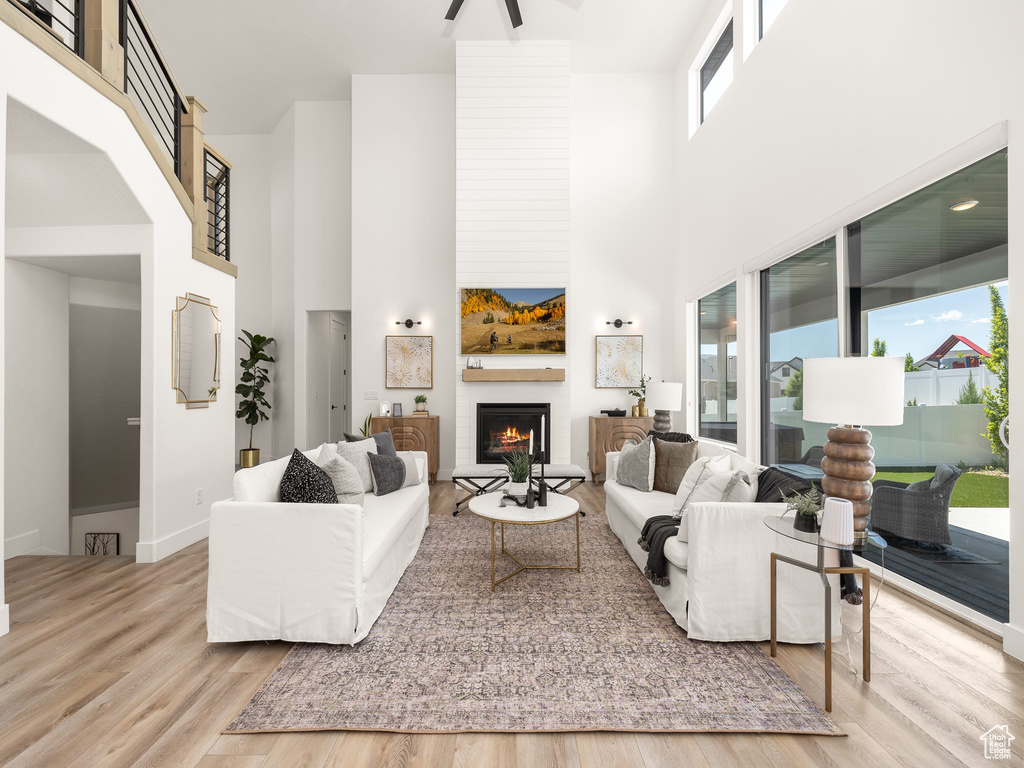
(531,499)
(542,486)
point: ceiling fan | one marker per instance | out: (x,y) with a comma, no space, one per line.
(513,11)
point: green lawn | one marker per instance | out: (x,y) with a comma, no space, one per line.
(972,490)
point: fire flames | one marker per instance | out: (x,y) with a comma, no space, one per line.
(511,436)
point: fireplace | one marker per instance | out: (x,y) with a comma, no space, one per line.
(504,428)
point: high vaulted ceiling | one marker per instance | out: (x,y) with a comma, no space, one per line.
(248,60)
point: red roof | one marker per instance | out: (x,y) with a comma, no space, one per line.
(951,342)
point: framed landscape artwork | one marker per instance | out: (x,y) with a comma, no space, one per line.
(409,362)
(513,321)
(618,361)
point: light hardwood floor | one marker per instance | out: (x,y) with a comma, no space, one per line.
(107,664)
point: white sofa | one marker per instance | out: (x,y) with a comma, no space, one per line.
(720,576)
(316,573)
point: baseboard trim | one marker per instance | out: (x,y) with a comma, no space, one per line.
(155,551)
(5,619)
(1013,641)
(22,544)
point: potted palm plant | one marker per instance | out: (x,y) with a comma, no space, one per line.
(518,465)
(253,406)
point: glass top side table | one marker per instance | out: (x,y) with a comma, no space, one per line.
(784,527)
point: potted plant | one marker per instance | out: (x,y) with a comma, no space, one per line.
(421,402)
(805,507)
(640,393)
(365,429)
(518,465)
(253,406)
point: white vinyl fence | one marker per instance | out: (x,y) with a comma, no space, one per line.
(935,387)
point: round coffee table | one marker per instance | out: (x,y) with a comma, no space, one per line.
(559,508)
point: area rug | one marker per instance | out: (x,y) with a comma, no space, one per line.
(546,651)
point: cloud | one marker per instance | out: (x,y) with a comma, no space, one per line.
(953,314)
(982,320)
(919,321)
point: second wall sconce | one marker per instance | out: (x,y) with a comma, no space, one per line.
(619,323)
(408,323)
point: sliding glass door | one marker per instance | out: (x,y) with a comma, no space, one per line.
(799,319)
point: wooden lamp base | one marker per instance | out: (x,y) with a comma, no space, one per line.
(848,471)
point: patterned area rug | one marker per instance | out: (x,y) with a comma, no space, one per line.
(547,651)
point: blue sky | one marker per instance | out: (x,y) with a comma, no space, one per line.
(529,295)
(917,327)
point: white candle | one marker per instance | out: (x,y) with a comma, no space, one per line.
(531,442)
(542,434)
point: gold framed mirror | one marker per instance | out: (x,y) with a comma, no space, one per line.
(195,351)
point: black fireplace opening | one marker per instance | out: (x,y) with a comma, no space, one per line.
(504,428)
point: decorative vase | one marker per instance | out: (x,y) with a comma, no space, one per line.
(837,521)
(249,457)
(636,411)
(806,523)
(421,406)
(641,406)
(516,489)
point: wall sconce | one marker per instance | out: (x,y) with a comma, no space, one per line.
(619,323)
(408,323)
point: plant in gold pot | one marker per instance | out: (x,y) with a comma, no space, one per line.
(253,406)
(640,393)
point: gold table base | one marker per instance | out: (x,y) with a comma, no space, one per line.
(523,566)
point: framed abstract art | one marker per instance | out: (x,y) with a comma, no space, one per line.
(409,362)
(618,361)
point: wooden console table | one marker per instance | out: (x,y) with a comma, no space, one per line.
(609,433)
(414,433)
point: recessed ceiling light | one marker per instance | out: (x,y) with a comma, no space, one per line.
(963,205)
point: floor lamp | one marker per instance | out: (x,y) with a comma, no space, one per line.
(852,392)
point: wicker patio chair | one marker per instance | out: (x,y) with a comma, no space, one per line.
(916,511)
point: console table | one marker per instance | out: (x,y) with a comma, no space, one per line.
(609,433)
(414,433)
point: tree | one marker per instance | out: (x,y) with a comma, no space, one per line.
(997,398)
(878,348)
(969,394)
(908,364)
(795,388)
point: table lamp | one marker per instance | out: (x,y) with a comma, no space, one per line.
(664,397)
(852,392)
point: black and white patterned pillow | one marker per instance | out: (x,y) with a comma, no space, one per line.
(392,472)
(305,483)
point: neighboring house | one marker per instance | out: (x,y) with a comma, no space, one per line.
(780,373)
(954,352)
(709,381)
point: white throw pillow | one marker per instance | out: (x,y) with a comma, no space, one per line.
(347,483)
(732,486)
(744,464)
(355,454)
(699,472)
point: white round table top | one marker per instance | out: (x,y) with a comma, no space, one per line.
(488,507)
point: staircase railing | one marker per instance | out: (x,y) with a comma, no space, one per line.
(217,193)
(63,18)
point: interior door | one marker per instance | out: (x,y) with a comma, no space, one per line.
(338,379)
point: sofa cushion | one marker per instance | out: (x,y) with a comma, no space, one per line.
(636,505)
(943,474)
(384,441)
(698,473)
(384,519)
(347,483)
(391,473)
(671,460)
(636,465)
(263,482)
(677,552)
(775,486)
(671,437)
(355,454)
(304,482)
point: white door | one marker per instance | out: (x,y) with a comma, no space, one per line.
(338,379)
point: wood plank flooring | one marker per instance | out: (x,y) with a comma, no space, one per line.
(107,664)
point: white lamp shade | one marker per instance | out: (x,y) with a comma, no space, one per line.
(665,395)
(859,391)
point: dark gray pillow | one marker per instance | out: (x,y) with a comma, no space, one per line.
(384,440)
(943,473)
(305,483)
(391,473)
(671,437)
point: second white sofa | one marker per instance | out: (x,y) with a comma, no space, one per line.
(315,573)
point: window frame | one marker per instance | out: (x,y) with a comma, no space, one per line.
(733,281)
(728,30)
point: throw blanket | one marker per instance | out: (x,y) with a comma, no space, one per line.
(657,530)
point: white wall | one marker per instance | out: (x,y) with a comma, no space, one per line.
(403,235)
(5,612)
(122,521)
(622,236)
(181,450)
(282,272)
(36,392)
(816,122)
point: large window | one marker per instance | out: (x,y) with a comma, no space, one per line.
(767,12)
(799,319)
(928,282)
(716,73)
(717,364)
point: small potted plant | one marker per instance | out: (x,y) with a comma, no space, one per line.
(421,402)
(640,393)
(365,430)
(805,507)
(518,465)
(253,406)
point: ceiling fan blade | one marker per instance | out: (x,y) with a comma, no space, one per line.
(453,9)
(513,13)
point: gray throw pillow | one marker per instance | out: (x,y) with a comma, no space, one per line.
(355,454)
(390,473)
(671,460)
(636,465)
(347,483)
(384,441)
(920,485)
(943,473)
